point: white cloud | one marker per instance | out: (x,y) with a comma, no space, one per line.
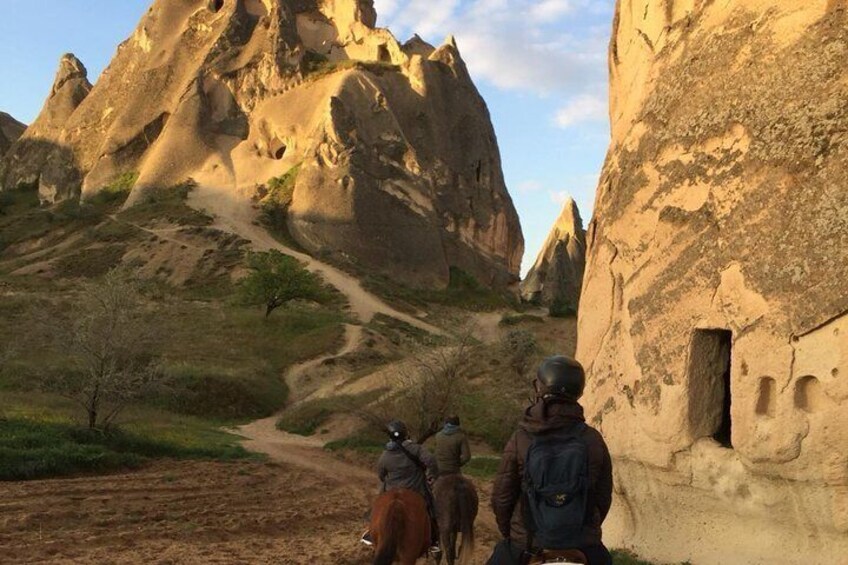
(530,186)
(547,10)
(538,46)
(582,108)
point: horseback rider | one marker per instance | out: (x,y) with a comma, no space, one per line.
(452,451)
(553,440)
(407,465)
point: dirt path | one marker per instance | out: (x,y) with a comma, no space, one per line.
(262,436)
(235,214)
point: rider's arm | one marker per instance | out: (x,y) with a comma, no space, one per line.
(464,451)
(428,460)
(382,470)
(507,487)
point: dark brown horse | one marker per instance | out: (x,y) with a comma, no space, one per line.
(400,527)
(456,509)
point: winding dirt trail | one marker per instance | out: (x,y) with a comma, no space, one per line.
(235,214)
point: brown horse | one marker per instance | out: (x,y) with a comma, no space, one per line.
(400,527)
(456,508)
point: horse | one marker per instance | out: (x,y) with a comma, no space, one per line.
(456,509)
(400,527)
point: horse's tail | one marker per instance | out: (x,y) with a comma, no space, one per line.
(467,503)
(391,535)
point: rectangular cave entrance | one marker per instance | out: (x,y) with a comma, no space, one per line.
(710,385)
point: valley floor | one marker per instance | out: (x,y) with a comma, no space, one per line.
(193,512)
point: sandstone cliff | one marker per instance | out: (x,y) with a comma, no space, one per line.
(556,278)
(713,318)
(398,165)
(10,130)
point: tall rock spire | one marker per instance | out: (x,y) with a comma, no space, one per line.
(556,278)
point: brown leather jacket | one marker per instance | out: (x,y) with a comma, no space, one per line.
(506,495)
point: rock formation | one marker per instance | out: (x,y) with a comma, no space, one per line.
(715,309)
(42,156)
(556,278)
(398,163)
(10,130)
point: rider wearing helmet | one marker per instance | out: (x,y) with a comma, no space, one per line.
(407,465)
(452,451)
(559,385)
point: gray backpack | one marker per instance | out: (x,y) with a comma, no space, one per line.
(556,488)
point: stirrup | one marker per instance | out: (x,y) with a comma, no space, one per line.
(435,550)
(365,539)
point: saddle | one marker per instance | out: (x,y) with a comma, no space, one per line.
(560,556)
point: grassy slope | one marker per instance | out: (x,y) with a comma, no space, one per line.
(223,360)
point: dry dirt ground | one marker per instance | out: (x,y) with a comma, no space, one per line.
(195,512)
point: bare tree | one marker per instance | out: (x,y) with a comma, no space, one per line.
(426,389)
(519,349)
(108,338)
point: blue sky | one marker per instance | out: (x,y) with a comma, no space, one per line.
(540,65)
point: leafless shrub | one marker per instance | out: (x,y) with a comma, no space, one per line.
(427,388)
(107,335)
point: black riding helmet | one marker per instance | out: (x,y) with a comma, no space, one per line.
(398,431)
(560,376)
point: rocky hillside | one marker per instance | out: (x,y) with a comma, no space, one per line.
(377,152)
(713,319)
(10,130)
(556,278)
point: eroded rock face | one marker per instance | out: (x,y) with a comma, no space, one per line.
(399,168)
(719,252)
(44,155)
(10,130)
(556,278)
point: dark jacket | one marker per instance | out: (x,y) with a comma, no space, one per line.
(396,470)
(452,451)
(506,495)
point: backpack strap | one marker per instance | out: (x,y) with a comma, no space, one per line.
(418,463)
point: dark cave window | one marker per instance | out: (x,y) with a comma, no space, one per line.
(710,385)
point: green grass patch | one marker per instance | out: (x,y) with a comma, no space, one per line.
(115,193)
(32,449)
(367,442)
(316,66)
(490,416)
(306,418)
(482,467)
(517,319)
(275,206)
(166,205)
(463,291)
(227,362)
(91,262)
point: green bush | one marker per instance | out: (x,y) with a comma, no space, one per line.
(219,394)
(32,450)
(115,193)
(305,419)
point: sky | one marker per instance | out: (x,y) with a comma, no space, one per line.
(541,66)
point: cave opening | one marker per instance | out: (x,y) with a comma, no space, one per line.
(278,149)
(710,385)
